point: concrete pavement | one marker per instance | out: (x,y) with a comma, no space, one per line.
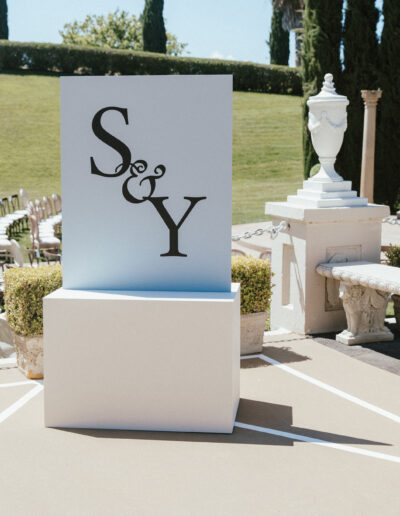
(324,440)
(318,434)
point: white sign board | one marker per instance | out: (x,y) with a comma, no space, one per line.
(146,182)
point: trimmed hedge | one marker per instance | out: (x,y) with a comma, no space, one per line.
(254,276)
(70,59)
(24,290)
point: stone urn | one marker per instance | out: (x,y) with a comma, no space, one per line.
(327,123)
(29,355)
(252,328)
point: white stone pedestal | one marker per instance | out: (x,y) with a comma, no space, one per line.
(142,360)
(302,300)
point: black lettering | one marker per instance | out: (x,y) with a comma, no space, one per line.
(112,141)
(158,203)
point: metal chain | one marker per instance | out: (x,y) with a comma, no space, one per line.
(283,226)
(273,230)
(391,220)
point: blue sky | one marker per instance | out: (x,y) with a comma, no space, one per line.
(212,28)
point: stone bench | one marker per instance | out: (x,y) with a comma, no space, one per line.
(365,290)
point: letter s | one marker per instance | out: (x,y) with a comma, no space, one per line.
(112,141)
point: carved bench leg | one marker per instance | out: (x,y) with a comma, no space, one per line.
(365,313)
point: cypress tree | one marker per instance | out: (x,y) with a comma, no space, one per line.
(360,72)
(3,19)
(278,40)
(154,35)
(387,176)
(322,22)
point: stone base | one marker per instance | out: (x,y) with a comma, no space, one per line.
(142,360)
(327,194)
(303,301)
(345,337)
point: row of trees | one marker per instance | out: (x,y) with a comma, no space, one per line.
(367,64)
(117,30)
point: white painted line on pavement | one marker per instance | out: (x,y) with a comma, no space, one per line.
(327,387)
(320,442)
(15,384)
(7,362)
(20,403)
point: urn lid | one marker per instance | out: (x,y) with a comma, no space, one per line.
(328,93)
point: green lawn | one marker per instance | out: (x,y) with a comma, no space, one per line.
(267,154)
(266,143)
(29,134)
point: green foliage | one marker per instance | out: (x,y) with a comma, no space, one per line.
(118,30)
(3,19)
(322,22)
(24,290)
(360,49)
(393,255)
(387,177)
(174,48)
(278,40)
(254,276)
(154,35)
(69,59)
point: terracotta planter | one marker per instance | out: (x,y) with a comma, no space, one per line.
(396,307)
(29,355)
(252,332)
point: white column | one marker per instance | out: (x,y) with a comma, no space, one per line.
(370,98)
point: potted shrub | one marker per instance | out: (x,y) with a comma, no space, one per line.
(393,258)
(254,276)
(24,290)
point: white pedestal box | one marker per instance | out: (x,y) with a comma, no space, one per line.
(302,300)
(142,360)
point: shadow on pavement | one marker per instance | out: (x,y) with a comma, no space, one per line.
(251,412)
(284,355)
(385,355)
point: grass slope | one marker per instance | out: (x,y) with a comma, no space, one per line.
(267,152)
(266,143)
(29,134)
